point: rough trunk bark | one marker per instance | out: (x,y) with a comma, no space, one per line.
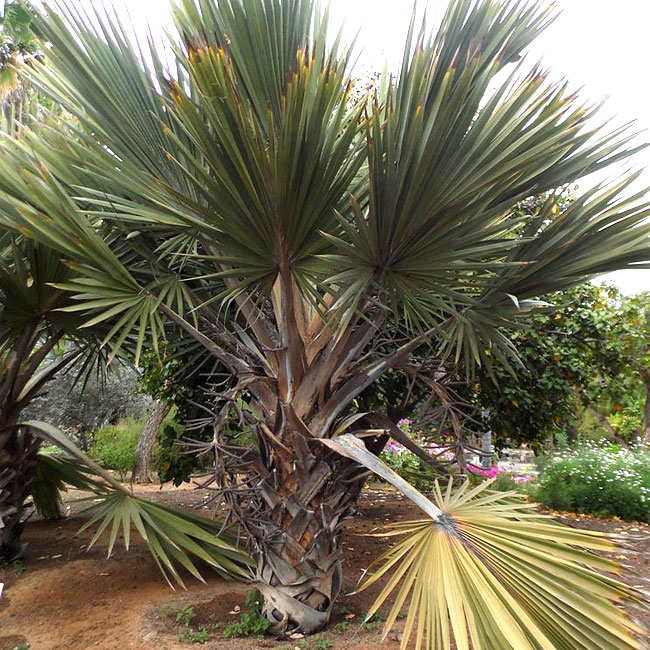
(18,450)
(142,472)
(296,545)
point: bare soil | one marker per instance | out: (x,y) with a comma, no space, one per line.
(69,598)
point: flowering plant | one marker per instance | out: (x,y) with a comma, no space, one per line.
(485,473)
(600,479)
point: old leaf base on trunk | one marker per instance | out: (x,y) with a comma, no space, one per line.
(18,451)
(293,518)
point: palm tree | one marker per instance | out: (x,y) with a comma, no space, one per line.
(32,329)
(312,244)
(38,323)
(41,338)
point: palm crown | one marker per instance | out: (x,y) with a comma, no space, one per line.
(310,243)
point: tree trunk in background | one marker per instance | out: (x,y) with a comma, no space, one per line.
(18,451)
(606,425)
(142,472)
(646,415)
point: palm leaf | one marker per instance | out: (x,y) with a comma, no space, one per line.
(486,569)
(172,535)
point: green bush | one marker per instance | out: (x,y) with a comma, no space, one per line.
(627,422)
(114,446)
(604,480)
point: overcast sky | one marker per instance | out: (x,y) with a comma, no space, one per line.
(600,45)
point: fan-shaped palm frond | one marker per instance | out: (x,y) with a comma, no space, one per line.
(494,572)
(172,535)
(487,569)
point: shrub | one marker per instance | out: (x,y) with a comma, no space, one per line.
(604,480)
(422,476)
(628,420)
(171,460)
(408,465)
(82,405)
(114,446)
(503,481)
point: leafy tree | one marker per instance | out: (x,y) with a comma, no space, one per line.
(81,403)
(18,44)
(19,47)
(635,340)
(175,376)
(571,347)
(312,245)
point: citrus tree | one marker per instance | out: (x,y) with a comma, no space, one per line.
(19,47)
(635,341)
(574,346)
(311,244)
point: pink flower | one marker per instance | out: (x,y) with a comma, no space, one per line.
(485,473)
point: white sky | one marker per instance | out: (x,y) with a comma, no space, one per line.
(600,45)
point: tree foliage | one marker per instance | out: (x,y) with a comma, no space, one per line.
(312,245)
(571,352)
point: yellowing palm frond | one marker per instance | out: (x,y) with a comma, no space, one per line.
(495,573)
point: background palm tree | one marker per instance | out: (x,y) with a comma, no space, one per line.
(311,245)
(32,331)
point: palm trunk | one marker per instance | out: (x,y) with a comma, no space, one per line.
(142,472)
(295,540)
(18,451)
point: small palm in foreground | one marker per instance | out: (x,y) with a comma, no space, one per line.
(312,244)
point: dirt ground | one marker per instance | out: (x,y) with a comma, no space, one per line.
(65,597)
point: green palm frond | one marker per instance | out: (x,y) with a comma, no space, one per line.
(48,486)
(448,158)
(248,157)
(262,37)
(172,536)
